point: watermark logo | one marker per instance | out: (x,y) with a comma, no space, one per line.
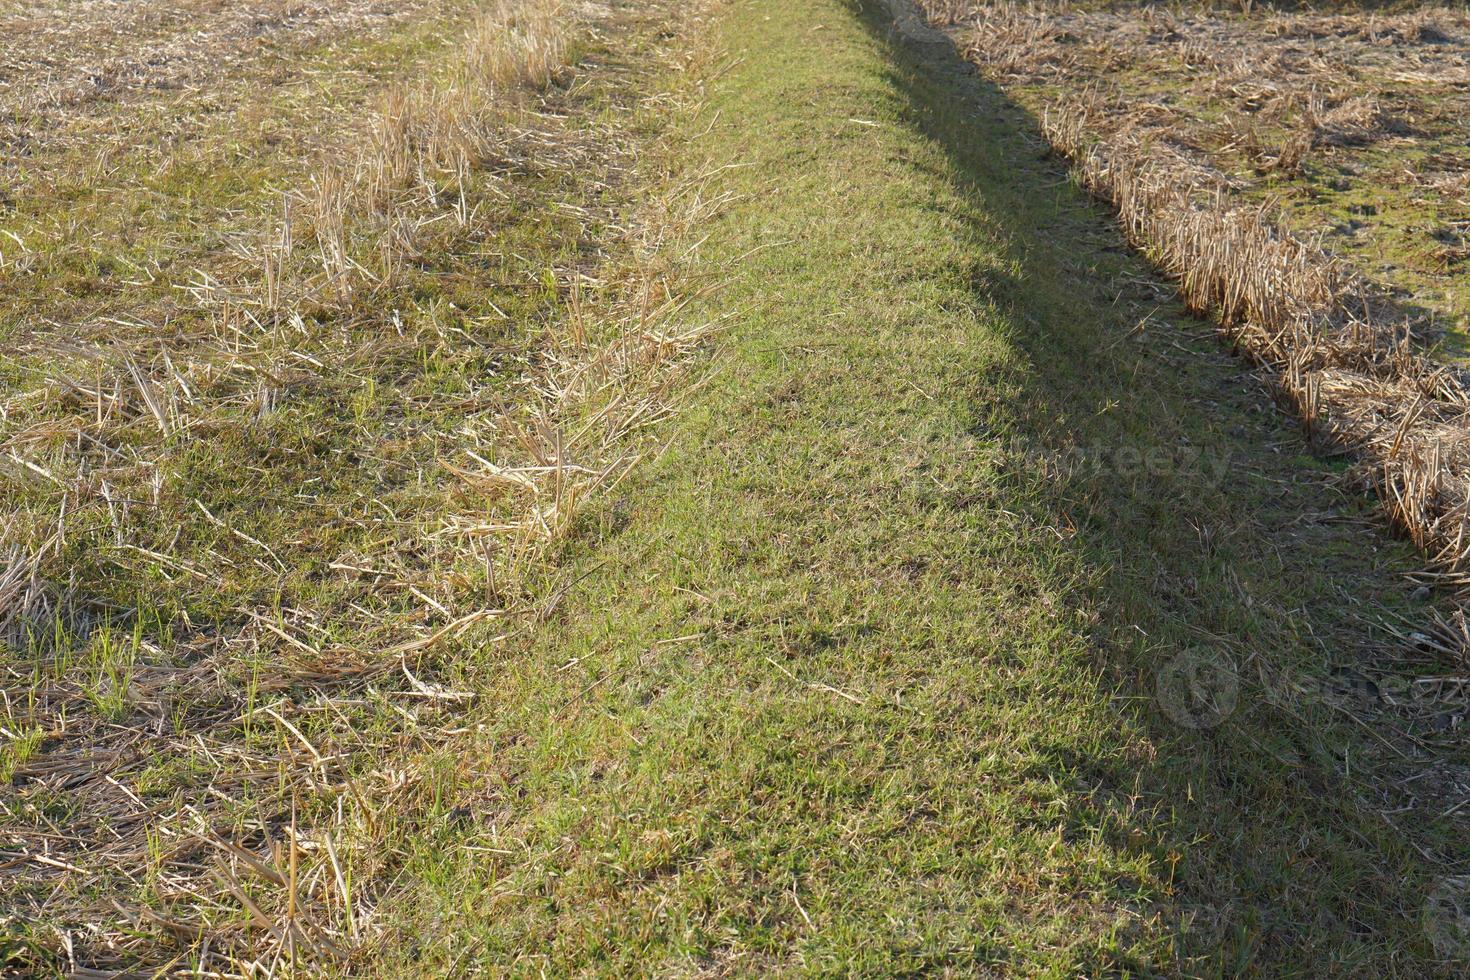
(1190,466)
(1197,689)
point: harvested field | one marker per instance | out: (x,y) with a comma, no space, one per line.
(115,76)
(1353,128)
(560,488)
(284,426)
(1229,145)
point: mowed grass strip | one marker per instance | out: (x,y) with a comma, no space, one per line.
(859,677)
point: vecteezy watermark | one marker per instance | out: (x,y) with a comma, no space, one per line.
(1185,464)
(1447,918)
(1197,688)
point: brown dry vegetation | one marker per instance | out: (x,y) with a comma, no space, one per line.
(105,79)
(1181,121)
(1352,126)
(285,432)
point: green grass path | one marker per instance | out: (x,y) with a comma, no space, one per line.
(857,678)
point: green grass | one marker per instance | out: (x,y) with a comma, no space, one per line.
(858,677)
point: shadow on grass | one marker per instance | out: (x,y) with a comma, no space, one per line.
(1243,588)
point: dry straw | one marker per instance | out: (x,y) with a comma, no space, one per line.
(1337,350)
(424,141)
(243,892)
